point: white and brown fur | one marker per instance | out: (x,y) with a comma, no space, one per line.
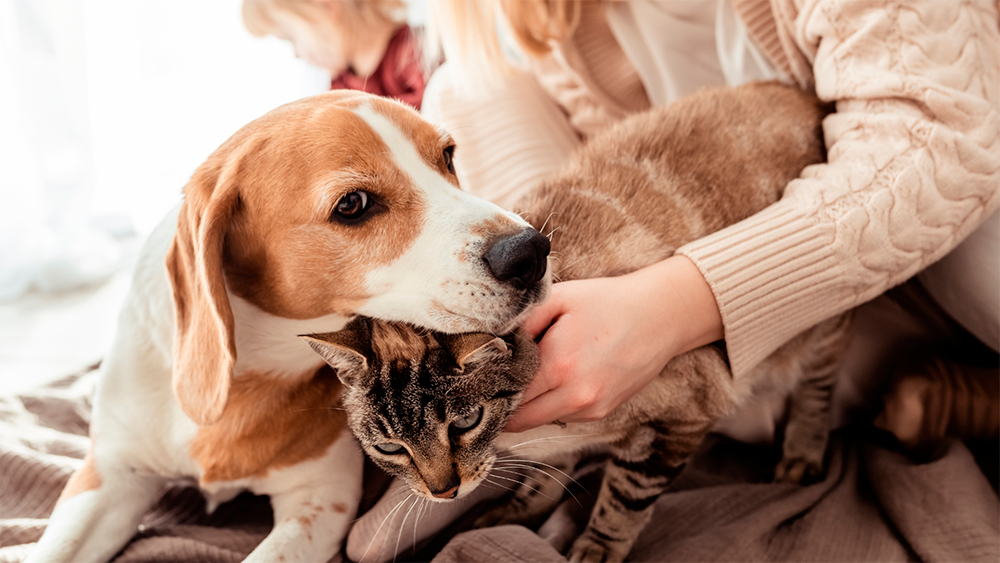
(630,197)
(207,381)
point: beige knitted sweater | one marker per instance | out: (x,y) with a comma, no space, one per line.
(913,150)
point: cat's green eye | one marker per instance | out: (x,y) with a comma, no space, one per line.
(389,448)
(467,422)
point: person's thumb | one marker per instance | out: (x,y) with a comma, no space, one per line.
(542,316)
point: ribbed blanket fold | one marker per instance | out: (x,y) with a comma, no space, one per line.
(874,505)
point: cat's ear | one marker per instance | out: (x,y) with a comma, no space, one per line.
(474,347)
(345,350)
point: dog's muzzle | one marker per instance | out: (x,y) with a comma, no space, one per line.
(519,259)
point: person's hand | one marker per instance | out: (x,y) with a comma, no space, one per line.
(607,338)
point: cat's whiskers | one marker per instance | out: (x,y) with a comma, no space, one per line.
(521,474)
(487,481)
(416,520)
(375,536)
(402,525)
(554,439)
(399,492)
(521,483)
(321,409)
(482,321)
(519,463)
(511,461)
(388,496)
(555,256)
(540,470)
(546,222)
(577,261)
(539,443)
(547,451)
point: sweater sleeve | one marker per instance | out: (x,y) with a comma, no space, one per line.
(507,138)
(913,167)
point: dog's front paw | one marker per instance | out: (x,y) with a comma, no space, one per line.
(799,470)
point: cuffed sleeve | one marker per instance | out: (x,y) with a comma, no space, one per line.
(913,167)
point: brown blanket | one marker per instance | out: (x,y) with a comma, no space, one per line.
(875,504)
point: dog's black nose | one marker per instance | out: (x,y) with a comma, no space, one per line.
(519,259)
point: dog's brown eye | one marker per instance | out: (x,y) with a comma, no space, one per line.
(353,205)
(449,155)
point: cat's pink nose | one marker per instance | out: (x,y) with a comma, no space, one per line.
(450,493)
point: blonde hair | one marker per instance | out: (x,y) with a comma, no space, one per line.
(536,23)
(468,32)
(258,15)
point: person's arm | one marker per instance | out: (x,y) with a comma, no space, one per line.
(507,138)
(606,338)
(913,167)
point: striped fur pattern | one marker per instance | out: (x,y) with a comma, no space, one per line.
(631,197)
(428,407)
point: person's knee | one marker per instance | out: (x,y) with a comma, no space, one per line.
(966,282)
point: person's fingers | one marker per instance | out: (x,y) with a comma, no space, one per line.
(540,384)
(540,320)
(545,408)
(542,316)
(552,365)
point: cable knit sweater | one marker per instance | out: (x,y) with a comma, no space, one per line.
(913,153)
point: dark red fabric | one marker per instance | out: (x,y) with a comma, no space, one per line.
(399,75)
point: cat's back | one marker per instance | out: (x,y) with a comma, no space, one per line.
(733,149)
(662,178)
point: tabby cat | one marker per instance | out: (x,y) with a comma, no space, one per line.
(430,408)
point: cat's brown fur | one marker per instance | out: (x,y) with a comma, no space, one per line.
(630,197)
(409,388)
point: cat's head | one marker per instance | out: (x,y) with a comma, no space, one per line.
(427,406)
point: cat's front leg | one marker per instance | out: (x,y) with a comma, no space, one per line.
(538,488)
(636,475)
(808,428)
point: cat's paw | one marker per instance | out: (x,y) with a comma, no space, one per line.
(586,549)
(799,470)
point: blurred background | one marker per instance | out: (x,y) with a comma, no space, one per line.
(106,108)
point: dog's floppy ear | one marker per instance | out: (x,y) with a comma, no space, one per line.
(473,347)
(345,350)
(204,343)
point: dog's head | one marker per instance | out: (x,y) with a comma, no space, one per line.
(341,203)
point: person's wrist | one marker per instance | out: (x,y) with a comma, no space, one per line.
(684,304)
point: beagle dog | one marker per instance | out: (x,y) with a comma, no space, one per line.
(329,207)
